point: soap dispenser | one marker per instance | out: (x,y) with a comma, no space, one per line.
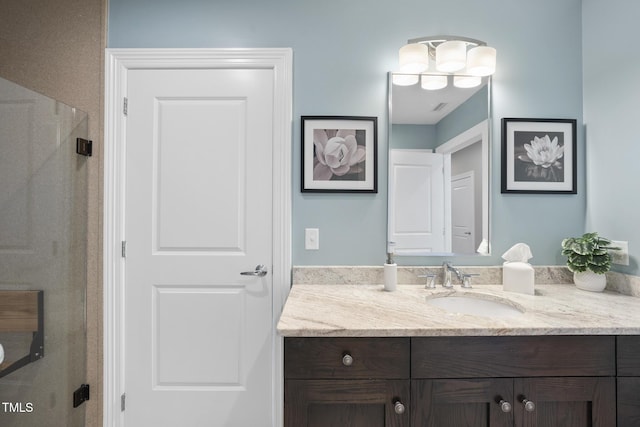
(390,270)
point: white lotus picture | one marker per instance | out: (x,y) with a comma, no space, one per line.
(540,157)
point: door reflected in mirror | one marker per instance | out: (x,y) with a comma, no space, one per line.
(438,167)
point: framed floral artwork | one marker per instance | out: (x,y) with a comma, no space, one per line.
(539,156)
(339,154)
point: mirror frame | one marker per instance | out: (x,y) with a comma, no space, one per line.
(481,132)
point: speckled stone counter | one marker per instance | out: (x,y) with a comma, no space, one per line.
(367,310)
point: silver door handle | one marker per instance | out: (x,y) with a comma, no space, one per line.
(259,271)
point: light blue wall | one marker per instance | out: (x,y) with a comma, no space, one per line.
(611,115)
(413,136)
(467,115)
(342,53)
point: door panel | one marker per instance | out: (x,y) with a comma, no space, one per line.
(461,402)
(354,403)
(628,404)
(416,201)
(198,343)
(210,306)
(208,137)
(565,402)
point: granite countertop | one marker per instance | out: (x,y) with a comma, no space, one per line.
(367,310)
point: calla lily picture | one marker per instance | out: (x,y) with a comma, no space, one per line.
(539,156)
(339,154)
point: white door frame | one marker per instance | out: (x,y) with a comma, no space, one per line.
(479,132)
(117,63)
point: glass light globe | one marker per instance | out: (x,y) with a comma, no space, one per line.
(414,58)
(451,56)
(481,61)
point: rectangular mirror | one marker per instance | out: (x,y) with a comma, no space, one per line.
(439,143)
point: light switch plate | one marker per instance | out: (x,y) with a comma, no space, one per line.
(620,256)
(312,239)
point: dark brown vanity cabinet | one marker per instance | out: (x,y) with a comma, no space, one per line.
(559,381)
(355,382)
(462,402)
(502,402)
(543,381)
(628,381)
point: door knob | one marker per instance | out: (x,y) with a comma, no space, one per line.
(260,271)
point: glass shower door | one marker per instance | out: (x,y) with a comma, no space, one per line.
(43,202)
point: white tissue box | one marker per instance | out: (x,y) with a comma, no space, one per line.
(518,277)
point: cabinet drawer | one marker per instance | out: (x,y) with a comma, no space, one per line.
(383,358)
(628,360)
(539,356)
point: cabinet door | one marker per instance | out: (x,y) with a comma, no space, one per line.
(628,401)
(462,402)
(628,381)
(565,402)
(353,403)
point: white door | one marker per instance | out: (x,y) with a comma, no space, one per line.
(416,201)
(198,212)
(463,213)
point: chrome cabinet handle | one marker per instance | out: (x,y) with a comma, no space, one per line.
(398,407)
(259,271)
(505,406)
(529,406)
(347,359)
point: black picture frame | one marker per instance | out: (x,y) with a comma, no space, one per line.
(539,156)
(339,154)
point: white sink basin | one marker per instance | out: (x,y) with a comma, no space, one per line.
(476,305)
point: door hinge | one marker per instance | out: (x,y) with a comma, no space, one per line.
(125,105)
(84,147)
(124,249)
(81,395)
(123,400)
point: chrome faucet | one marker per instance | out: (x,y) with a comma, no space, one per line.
(447,268)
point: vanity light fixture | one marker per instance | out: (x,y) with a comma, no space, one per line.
(414,58)
(466,81)
(433,81)
(438,57)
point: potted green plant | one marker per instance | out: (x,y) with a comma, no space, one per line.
(589,259)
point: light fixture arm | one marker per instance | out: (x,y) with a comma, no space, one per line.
(435,40)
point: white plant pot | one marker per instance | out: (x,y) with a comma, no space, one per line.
(590,281)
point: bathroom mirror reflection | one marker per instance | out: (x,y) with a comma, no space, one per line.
(438,200)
